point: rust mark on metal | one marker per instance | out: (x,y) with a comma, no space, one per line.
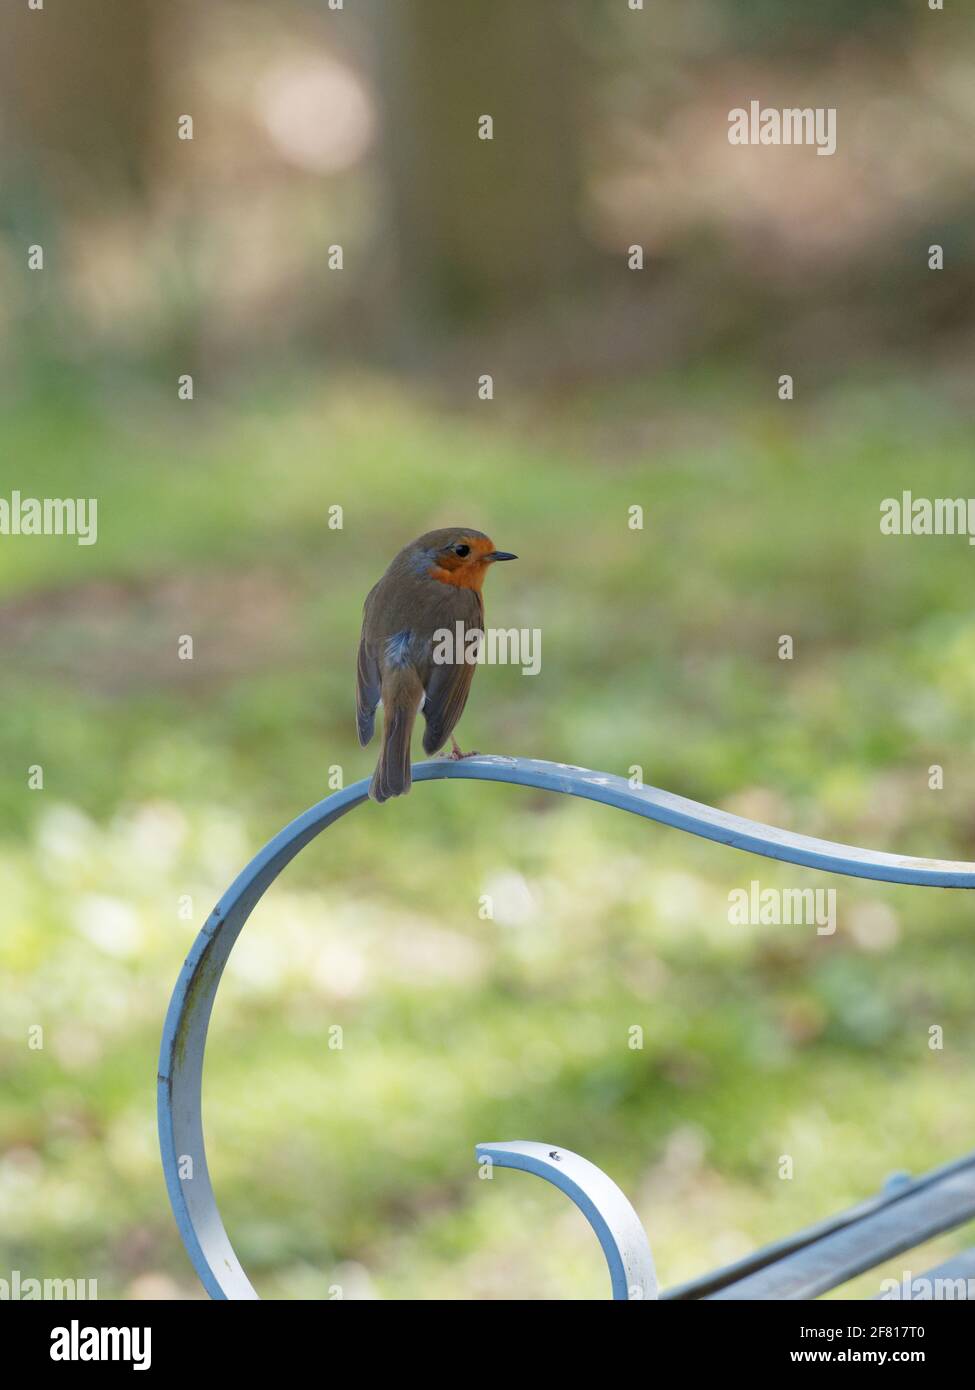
(198,988)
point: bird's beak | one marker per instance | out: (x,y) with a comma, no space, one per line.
(501,555)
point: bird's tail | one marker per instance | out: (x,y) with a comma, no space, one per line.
(402,695)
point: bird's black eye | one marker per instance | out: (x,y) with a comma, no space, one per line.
(462,550)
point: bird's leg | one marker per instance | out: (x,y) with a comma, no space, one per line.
(455,751)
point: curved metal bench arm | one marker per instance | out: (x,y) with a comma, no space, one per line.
(185,1031)
(604,1205)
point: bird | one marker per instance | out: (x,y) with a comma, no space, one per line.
(433,584)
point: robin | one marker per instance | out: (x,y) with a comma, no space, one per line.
(433,584)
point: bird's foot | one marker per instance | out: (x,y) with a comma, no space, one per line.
(456,753)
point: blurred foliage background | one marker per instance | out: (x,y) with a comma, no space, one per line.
(613,387)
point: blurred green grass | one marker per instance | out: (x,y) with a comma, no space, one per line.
(163,777)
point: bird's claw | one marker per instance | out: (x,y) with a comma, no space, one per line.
(456,754)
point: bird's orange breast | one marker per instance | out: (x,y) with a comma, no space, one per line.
(468,577)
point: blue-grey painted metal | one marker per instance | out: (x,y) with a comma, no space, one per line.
(932,1206)
(776,1257)
(185,1030)
(601,1202)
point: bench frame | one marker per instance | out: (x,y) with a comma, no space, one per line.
(905,1213)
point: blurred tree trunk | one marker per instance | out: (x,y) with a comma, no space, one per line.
(77,91)
(480,225)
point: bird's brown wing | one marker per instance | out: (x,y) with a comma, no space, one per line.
(446,695)
(368,686)
(448,685)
